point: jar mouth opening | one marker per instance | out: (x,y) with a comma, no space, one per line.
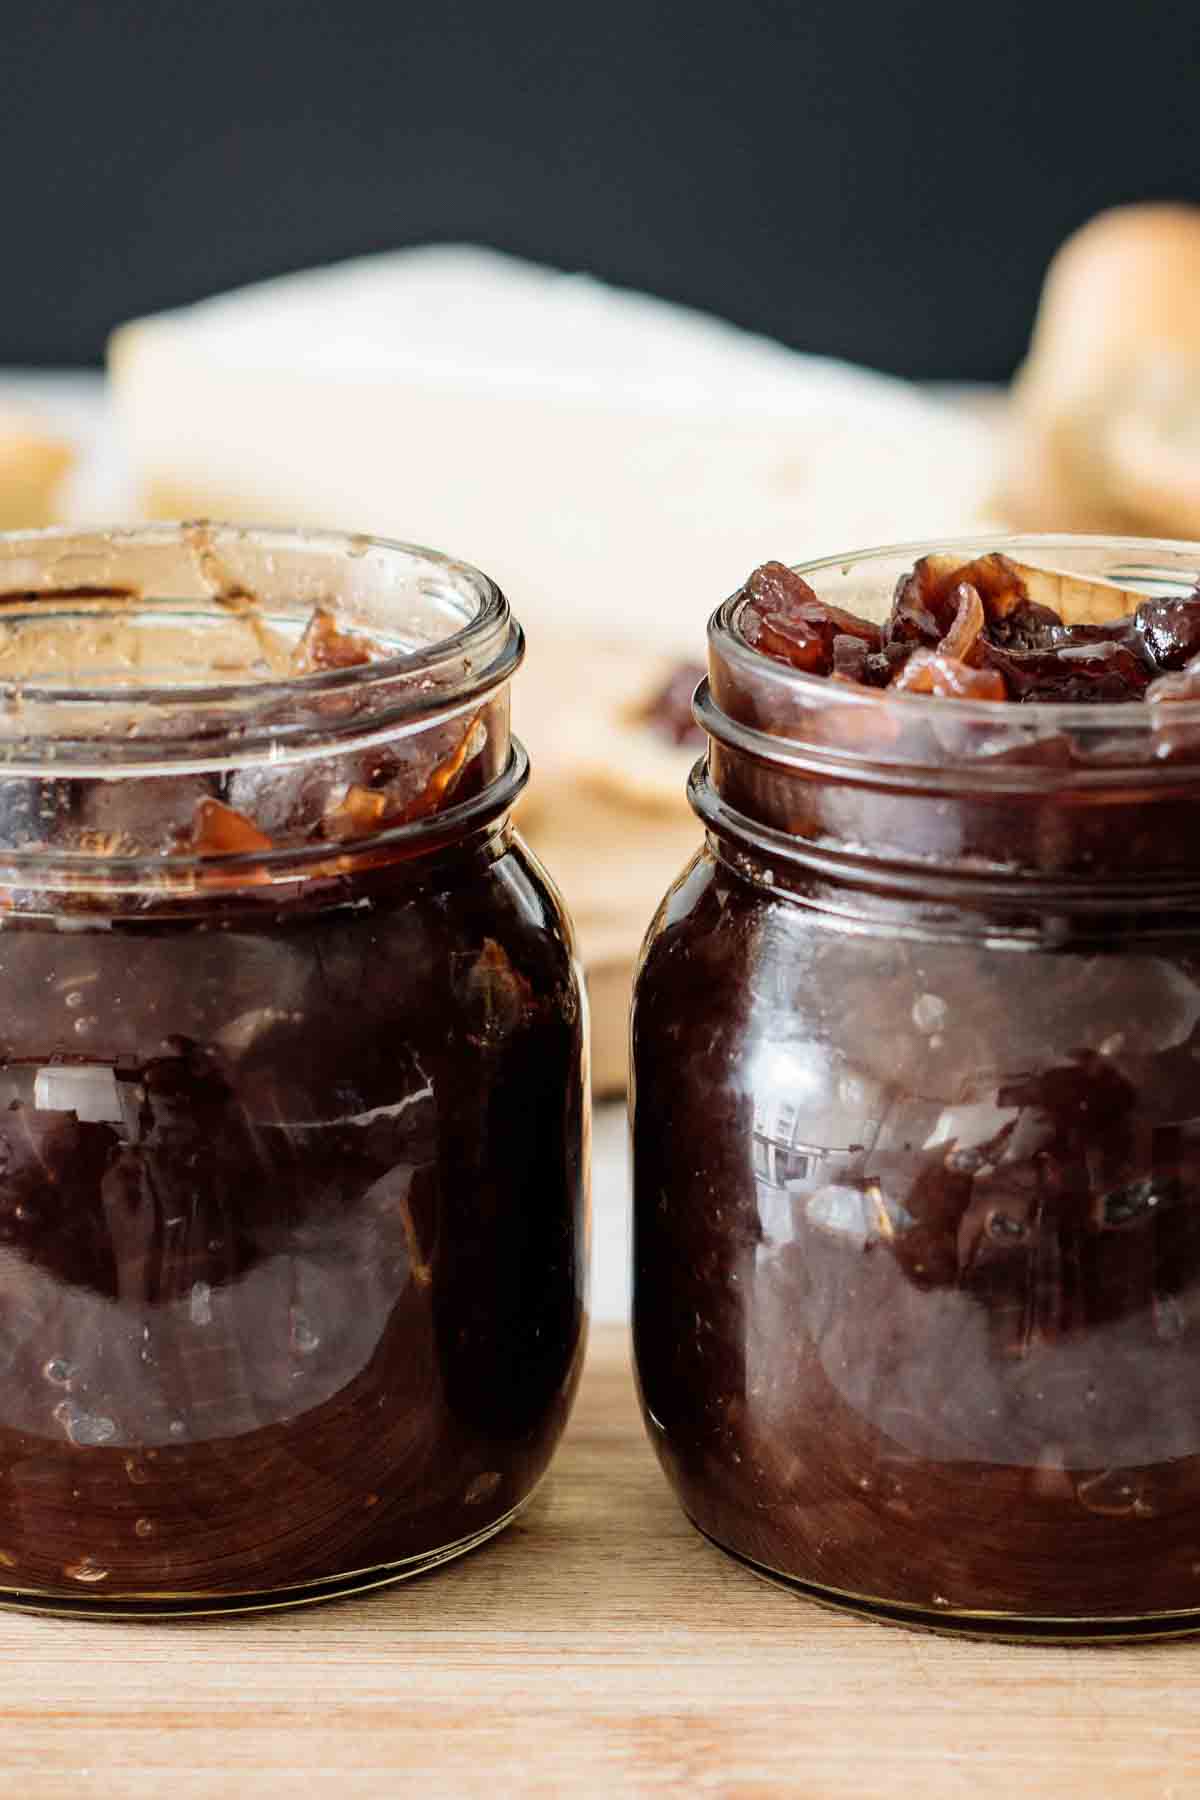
(1161,567)
(445,630)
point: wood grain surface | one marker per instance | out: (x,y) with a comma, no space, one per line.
(601,1647)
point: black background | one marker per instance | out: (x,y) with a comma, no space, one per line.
(885,182)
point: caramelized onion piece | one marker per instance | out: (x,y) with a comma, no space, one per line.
(217,830)
(1006,587)
(1075,672)
(1170,631)
(967,627)
(929,672)
(785,619)
(850,660)
(363,810)
(360,811)
(988,628)
(444,779)
(1184,685)
(323,646)
(668,710)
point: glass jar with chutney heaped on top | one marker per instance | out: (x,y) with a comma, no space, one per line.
(916,1122)
(293,1112)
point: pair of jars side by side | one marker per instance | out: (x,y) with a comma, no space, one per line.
(293,1101)
(916,1129)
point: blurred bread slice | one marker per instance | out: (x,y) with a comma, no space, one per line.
(33,466)
(1105,428)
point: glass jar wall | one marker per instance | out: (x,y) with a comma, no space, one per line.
(917,1140)
(293,1112)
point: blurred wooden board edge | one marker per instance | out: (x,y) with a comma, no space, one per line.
(600,1646)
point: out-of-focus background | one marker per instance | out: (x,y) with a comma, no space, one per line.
(891,201)
(884,182)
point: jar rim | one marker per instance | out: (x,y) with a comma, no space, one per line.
(1063,806)
(390,692)
(1025,722)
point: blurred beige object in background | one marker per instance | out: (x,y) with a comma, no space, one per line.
(33,466)
(1105,424)
(618,464)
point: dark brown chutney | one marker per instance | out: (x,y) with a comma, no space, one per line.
(292,1139)
(916,1132)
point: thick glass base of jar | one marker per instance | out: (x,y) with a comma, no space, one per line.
(200,1606)
(999,1627)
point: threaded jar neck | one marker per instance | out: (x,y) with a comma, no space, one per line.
(991,805)
(163,715)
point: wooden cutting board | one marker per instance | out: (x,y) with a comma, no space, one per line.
(601,1647)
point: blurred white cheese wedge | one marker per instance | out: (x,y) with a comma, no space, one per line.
(617,463)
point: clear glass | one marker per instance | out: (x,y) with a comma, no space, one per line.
(916,1126)
(293,1109)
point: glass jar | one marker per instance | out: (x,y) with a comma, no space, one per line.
(916,1132)
(293,1108)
